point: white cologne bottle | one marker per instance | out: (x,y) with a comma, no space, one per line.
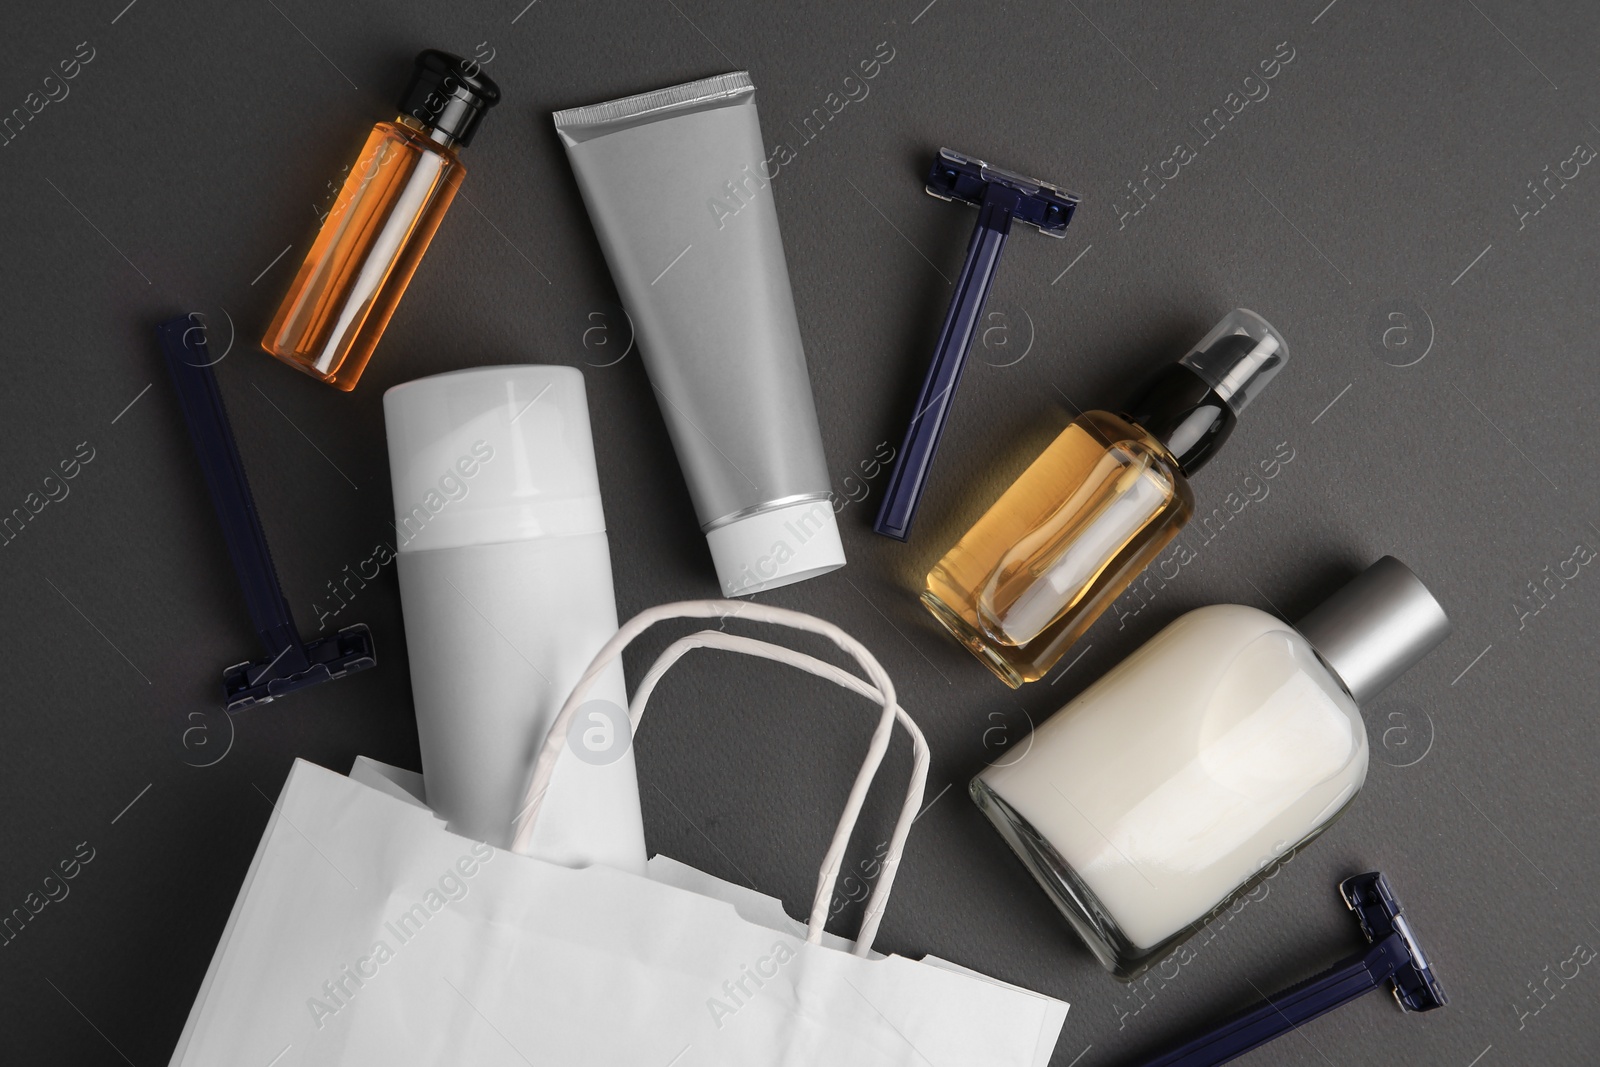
(1225,743)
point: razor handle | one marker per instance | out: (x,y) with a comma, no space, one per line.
(909,477)
(1285,1011)
(289,663)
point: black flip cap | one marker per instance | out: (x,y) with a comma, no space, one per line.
(449,94)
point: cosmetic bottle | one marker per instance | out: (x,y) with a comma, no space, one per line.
(1219,748)
(380,224)
(505,584)
(1097,506)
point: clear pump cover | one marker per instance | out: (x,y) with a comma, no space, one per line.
(1240,355)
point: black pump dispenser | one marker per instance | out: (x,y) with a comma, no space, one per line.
(1191,406)
(1182,411)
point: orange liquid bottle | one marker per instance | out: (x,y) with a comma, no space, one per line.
(380,224)
(1096,507)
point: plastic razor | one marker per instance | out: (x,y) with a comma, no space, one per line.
(1001,198)
(1394,958)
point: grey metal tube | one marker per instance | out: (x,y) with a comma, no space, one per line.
(678,189)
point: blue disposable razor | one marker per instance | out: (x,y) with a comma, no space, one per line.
(1001,198)
(1394,957)
(289,663)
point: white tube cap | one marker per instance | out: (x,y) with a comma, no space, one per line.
(776,548)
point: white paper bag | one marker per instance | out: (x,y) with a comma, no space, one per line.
(366,934)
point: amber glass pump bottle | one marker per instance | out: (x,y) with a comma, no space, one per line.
(1097,506)
(381,222)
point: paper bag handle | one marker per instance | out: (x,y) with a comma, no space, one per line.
(889,863)
(880,689)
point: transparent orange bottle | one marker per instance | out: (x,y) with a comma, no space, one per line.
(1096,507)
(380,224)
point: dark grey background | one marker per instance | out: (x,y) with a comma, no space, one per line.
(1380,175)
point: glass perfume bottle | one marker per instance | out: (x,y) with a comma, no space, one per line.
(1219,748)
(381,222)
(1097,506)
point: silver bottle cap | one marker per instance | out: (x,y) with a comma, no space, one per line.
(1376,627)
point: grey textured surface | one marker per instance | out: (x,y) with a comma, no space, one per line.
(1385,172)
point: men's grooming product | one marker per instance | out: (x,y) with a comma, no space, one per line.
(1001,198)
(681,198)
(1393,958)
(1223,745)
(1096,507)
(287,663)
(505,580)
(381,222)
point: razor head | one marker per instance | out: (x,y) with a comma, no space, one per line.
(322,660)
(1379,911)
(965,179)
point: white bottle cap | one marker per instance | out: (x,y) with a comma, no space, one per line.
(491,454)
(776,547)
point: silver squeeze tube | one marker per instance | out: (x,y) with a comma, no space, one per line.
(678,189)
